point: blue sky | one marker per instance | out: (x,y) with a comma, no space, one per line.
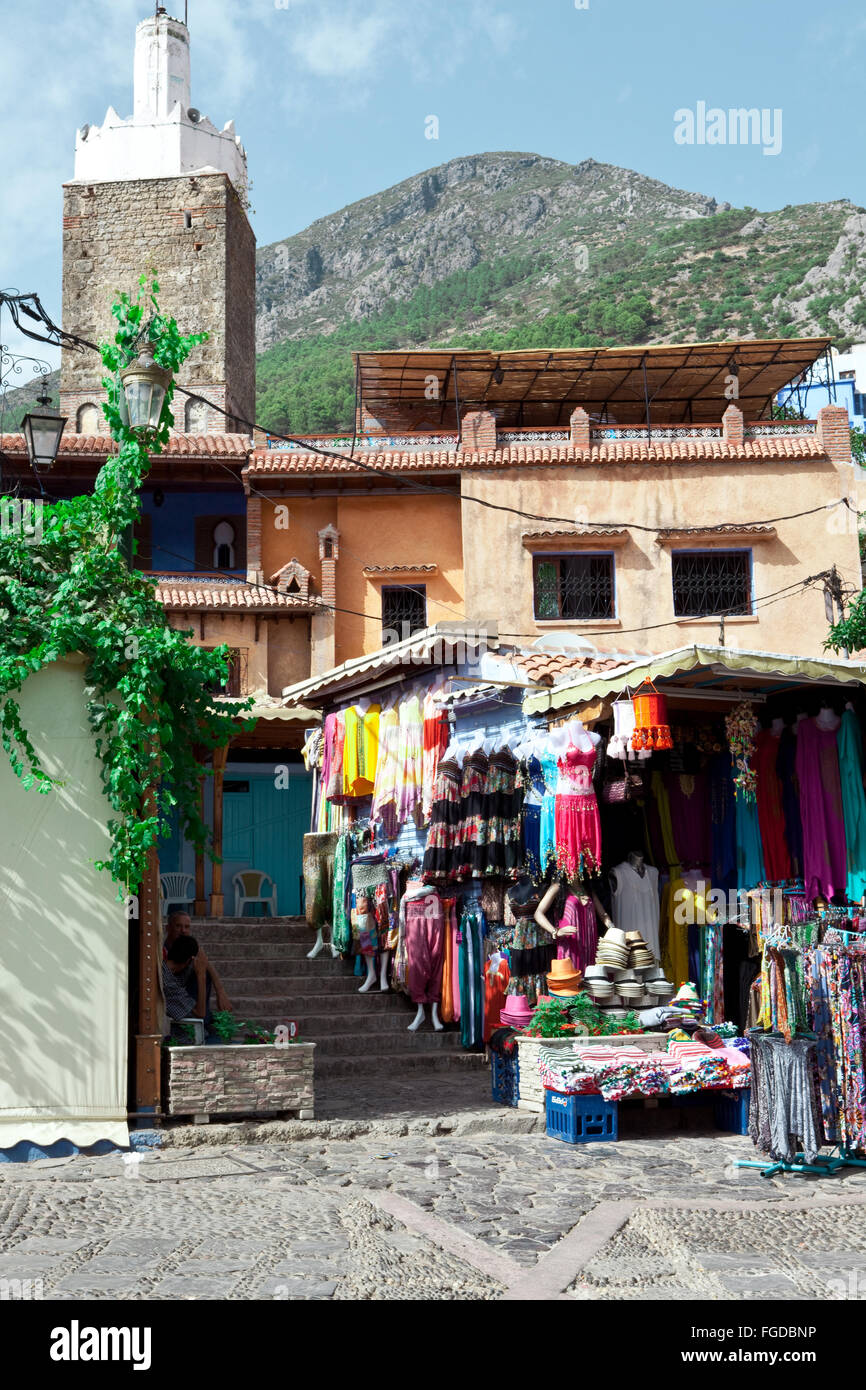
(331,97)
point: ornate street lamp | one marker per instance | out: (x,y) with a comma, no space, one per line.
(42,430)
(144,386)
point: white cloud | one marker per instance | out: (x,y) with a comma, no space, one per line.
(331,47)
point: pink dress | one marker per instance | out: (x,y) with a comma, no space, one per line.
(824,845)
(578,828)
(581,945)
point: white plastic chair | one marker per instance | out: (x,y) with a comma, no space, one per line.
(249,885)
(176,888)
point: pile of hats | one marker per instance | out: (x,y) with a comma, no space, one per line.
(516,1012)
(640,956)
(637,982)
(564,978)
(613,949)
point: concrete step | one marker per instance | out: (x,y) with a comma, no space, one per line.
(369,1043)
(245,929)
(316,1026)
(248,977)
(254,950)
(334,1066)
(261,995)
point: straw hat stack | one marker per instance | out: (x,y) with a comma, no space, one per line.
(637,981)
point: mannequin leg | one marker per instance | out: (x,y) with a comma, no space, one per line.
(371,975)
(434,1016)
(417,1020)
(318,946)
(383,971)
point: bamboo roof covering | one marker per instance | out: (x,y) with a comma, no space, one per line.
(683,383)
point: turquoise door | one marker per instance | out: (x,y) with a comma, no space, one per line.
(263,828)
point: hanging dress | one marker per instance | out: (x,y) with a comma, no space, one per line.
(434,741)
(786,770)
(502,849)
(636,902)
(581,943)
(578,827)
(771,814)
(824,848)
(472,832)
(853,803)
(384,808)
(723,819)
(410,758)
(547,832)
(440,855)
(750,855)
(532,779)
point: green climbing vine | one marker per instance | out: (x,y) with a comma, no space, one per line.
(71,590)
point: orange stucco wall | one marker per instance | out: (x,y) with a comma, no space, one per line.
(385,529)
(278,656)
(700,493)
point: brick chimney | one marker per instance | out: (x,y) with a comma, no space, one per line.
(323,626)
(579,424)
(732,425)
(478,431)
(834,432)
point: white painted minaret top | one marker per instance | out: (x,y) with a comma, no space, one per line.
(165,137)
(161,71)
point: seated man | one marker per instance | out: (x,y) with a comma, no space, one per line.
(178,926)
(184,983)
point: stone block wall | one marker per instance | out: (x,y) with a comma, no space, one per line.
(259,1079)
(193,231)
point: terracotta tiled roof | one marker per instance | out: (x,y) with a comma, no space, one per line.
(793,447)
(180,592)
(548,668)
(234,446)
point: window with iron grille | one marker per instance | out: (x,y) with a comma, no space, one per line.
(709,583)
(404,610)
(573,586)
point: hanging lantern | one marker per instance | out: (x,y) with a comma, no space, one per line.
(144,386)
(651,728)
(42,430)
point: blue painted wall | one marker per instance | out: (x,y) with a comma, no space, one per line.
(173,524)
(814,397)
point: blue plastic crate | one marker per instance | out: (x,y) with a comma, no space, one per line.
(505,1078)
(732,1111)
(581,1119)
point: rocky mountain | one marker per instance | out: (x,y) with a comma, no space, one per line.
(15,401)
(451,219)
(515,250)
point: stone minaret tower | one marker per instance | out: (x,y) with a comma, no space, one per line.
(163,189)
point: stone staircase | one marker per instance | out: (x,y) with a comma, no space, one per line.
(262,963)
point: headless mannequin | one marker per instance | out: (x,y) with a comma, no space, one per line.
(578,888)
(777,727)
(319,946)
(434,1008)
(827,719)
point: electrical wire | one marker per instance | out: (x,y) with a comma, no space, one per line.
(63,338)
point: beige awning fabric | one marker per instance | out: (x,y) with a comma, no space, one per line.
(443,644)
(701,668)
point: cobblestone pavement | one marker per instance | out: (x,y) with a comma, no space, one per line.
(404,1209)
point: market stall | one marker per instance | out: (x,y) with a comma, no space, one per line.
(575,869)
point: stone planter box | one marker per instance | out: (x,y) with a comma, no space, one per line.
(531,1092)
(240,1079)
